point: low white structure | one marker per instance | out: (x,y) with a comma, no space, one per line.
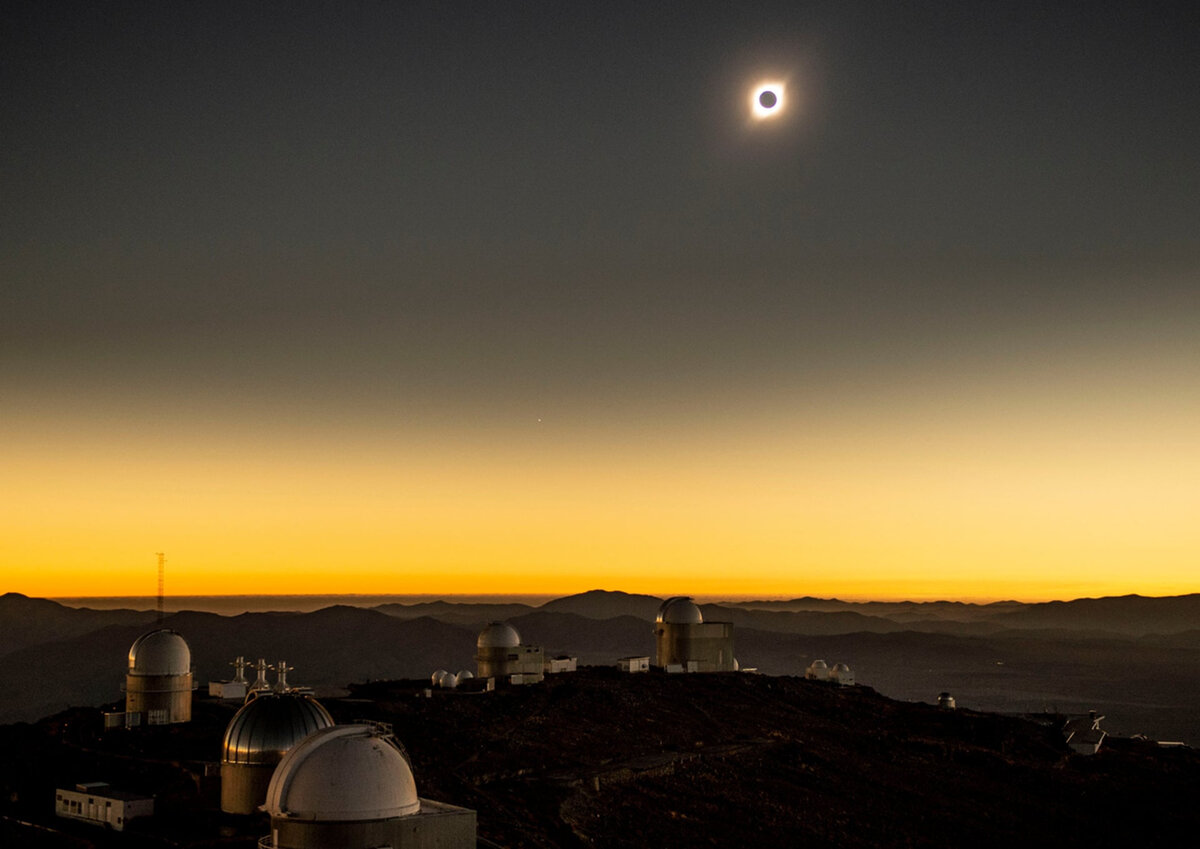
(818,670)
(98,803)
(1084,734)
(234,690)
(562,663)
(946,701)
(843,674)
(634,664)
(350,787)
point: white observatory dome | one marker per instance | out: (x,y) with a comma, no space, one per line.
(498,635)
(680,610)
(270,724)
(161,652)
(437,676)
(343,773)
(841,667)
(464,674)
(819,664)
(449,681)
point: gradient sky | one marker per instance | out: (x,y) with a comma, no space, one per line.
(486,298)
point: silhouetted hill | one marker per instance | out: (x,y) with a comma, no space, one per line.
(475,615)
(329,649)
(606,604)
(593,641)
(28,621)
(1145,684)
(1130,614)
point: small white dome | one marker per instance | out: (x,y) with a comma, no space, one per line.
(161,652)
(464,674)
(498,635)
(680,610)
(819,664)
(841,667)
(449,681)
(437,677)
(343,773)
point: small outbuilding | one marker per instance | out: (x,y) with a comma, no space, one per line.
(1084,734)
(98,803)
(634,664)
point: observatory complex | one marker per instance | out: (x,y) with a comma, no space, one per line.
(158,685)
(500,655)
(686,643)
(350,787)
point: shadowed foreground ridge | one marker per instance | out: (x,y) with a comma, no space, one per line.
(601,759)
(597,759)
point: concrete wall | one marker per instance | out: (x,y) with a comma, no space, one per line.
(435,826)
(703,647)
(244,786)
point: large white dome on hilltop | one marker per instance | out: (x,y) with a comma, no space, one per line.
(680,610)
(498,635)
(343,773)
(161,652)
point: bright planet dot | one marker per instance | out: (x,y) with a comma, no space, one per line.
(766,100)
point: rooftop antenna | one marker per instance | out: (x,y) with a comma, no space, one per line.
(282,669)
(240,666)
(261,682)
(162,559)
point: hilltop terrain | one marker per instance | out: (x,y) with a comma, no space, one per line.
(1135,659)
(601,759)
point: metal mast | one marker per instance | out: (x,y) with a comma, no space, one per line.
(162,559)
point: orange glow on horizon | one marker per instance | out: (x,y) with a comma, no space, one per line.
(952,498)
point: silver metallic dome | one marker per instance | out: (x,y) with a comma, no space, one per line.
(343,773)
(680,610)
(498,635)
(270,724)
(161,652)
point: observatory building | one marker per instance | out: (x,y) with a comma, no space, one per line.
(350,787)
(158,686)
(499,654)
(686,643)
(257,738)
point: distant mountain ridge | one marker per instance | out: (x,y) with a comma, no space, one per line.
(1116,654)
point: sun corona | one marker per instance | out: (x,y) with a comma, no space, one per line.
(767,100)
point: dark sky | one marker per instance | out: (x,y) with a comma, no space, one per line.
(412,214)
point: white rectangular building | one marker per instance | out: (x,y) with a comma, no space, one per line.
(98,803)
(634,664)
(562,663)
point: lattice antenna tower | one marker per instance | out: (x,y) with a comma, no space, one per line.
(162,560)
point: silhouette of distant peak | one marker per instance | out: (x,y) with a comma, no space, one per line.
(605,604)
